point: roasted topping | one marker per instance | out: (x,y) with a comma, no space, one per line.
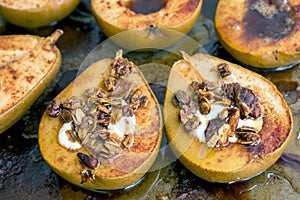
(181,98)
(188,108)
(88,161)
(53,108)
(202,95)
(211,132)
(233,120)
(201,89)
(121,67)
(221,128)
(128,141)
(100,121)
(110,83)
(138,99)
(223,70)
(73,103)
(204,105)
(127,111)
(223,133)
(243,98)
(93,92)
(87,175)
(248,135)
(192,123)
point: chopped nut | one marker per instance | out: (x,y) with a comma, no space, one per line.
(93,92)
(121,67)
(73,103)
(243,98)
(192,123)
(182,97)
(87,175)
(110,83)
(223,70)
(223,114)
(234,116)
(213,141)
(212,128)
(204,105)
(53,108)
(223,133)
(89,161)
(248,135)
(128,141)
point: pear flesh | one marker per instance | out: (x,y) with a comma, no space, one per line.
(28,63)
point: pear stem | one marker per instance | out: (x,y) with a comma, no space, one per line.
(119,54)
(55,36)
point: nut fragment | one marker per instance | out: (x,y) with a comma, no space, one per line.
(243,98)
(110,83)
(234,117)
(128,141)
(192,123)
(121,67)
(87,175)
(223,134)
(73,102)
(248,135)
(204,105)
(89,161)
(223,70)
(53,108)
(181,98)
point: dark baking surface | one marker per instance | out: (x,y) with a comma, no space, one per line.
(25,175)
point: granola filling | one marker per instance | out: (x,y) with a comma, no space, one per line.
(104,121)
(220,116)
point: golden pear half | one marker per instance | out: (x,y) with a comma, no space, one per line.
(260,33)
(233,161)
(154,30)
(34,14)
(126,169)
(28,63)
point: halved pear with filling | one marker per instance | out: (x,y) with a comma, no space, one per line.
(224,122)
(28,63)
(34,14)
(109,128)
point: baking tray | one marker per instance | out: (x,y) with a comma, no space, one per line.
(25,175)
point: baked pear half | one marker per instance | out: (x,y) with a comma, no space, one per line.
(146,24)
(104,130)
(34,14)
(27,65)
(224,122)
(260,33)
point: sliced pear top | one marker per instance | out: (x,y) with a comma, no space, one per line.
(174,13)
